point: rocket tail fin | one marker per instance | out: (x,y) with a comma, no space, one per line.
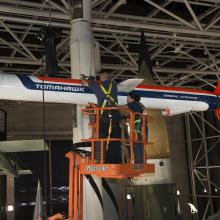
(217,113)
(129,85)
(217,89)
(144,62)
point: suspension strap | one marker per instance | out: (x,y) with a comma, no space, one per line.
(137,125)
(107,95)
(109,133)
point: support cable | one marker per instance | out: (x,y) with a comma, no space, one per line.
(44,138)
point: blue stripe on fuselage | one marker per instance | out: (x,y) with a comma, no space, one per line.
(29,84)
(210,100)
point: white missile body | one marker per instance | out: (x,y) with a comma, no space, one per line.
(82,54)
(171,101)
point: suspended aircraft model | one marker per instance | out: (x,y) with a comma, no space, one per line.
(171,100)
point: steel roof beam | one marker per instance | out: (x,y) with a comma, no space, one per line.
(208,12)
(198,3)
(115,7)
(170,14)
(16,38)
(10,45)
(115,54)
(160,28)
(60,16)
(157,52)
(155,11)
(33,12)
(213,61)
(95,3)
(55,5)
(193,14)
(112,66)
(25,3)
(105,4)
(65,3)
(125,49)
(213,21)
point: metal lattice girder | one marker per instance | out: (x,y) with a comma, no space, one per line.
(120,34)
(203,137)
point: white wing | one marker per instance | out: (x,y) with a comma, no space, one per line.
(129,85)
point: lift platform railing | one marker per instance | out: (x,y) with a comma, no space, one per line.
(94,113)
(80,165)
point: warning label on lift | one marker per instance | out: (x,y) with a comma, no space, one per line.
(138,166)
(96,168)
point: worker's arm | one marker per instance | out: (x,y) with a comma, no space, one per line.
(124,109)
(84,80)
(124,106)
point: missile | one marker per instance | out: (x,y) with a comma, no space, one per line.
(171,100)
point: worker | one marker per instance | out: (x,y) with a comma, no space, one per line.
(134,104)
(106,93)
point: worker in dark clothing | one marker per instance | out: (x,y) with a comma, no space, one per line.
(134,105)
(106,93)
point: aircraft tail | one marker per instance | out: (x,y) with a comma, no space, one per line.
(157,127)
(217,92)
(217,113)
(217,89)
(145,67)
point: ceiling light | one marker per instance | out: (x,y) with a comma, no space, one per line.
(10,208)
(128,196)
(193,208)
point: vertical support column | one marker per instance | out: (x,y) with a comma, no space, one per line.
(82,51)
(144,137)
(10,197)
(2,197)
(3,179)
(81,197)
(71,185)
(132,137)
(76,193)
(50,177)
(191,165)
(210,201)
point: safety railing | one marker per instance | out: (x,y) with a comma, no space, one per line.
(94,113)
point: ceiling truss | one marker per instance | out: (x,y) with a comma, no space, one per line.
(185,48)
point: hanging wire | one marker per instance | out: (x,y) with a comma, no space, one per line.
(44,138)
(44,129)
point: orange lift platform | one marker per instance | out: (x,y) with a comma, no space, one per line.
(80,165)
